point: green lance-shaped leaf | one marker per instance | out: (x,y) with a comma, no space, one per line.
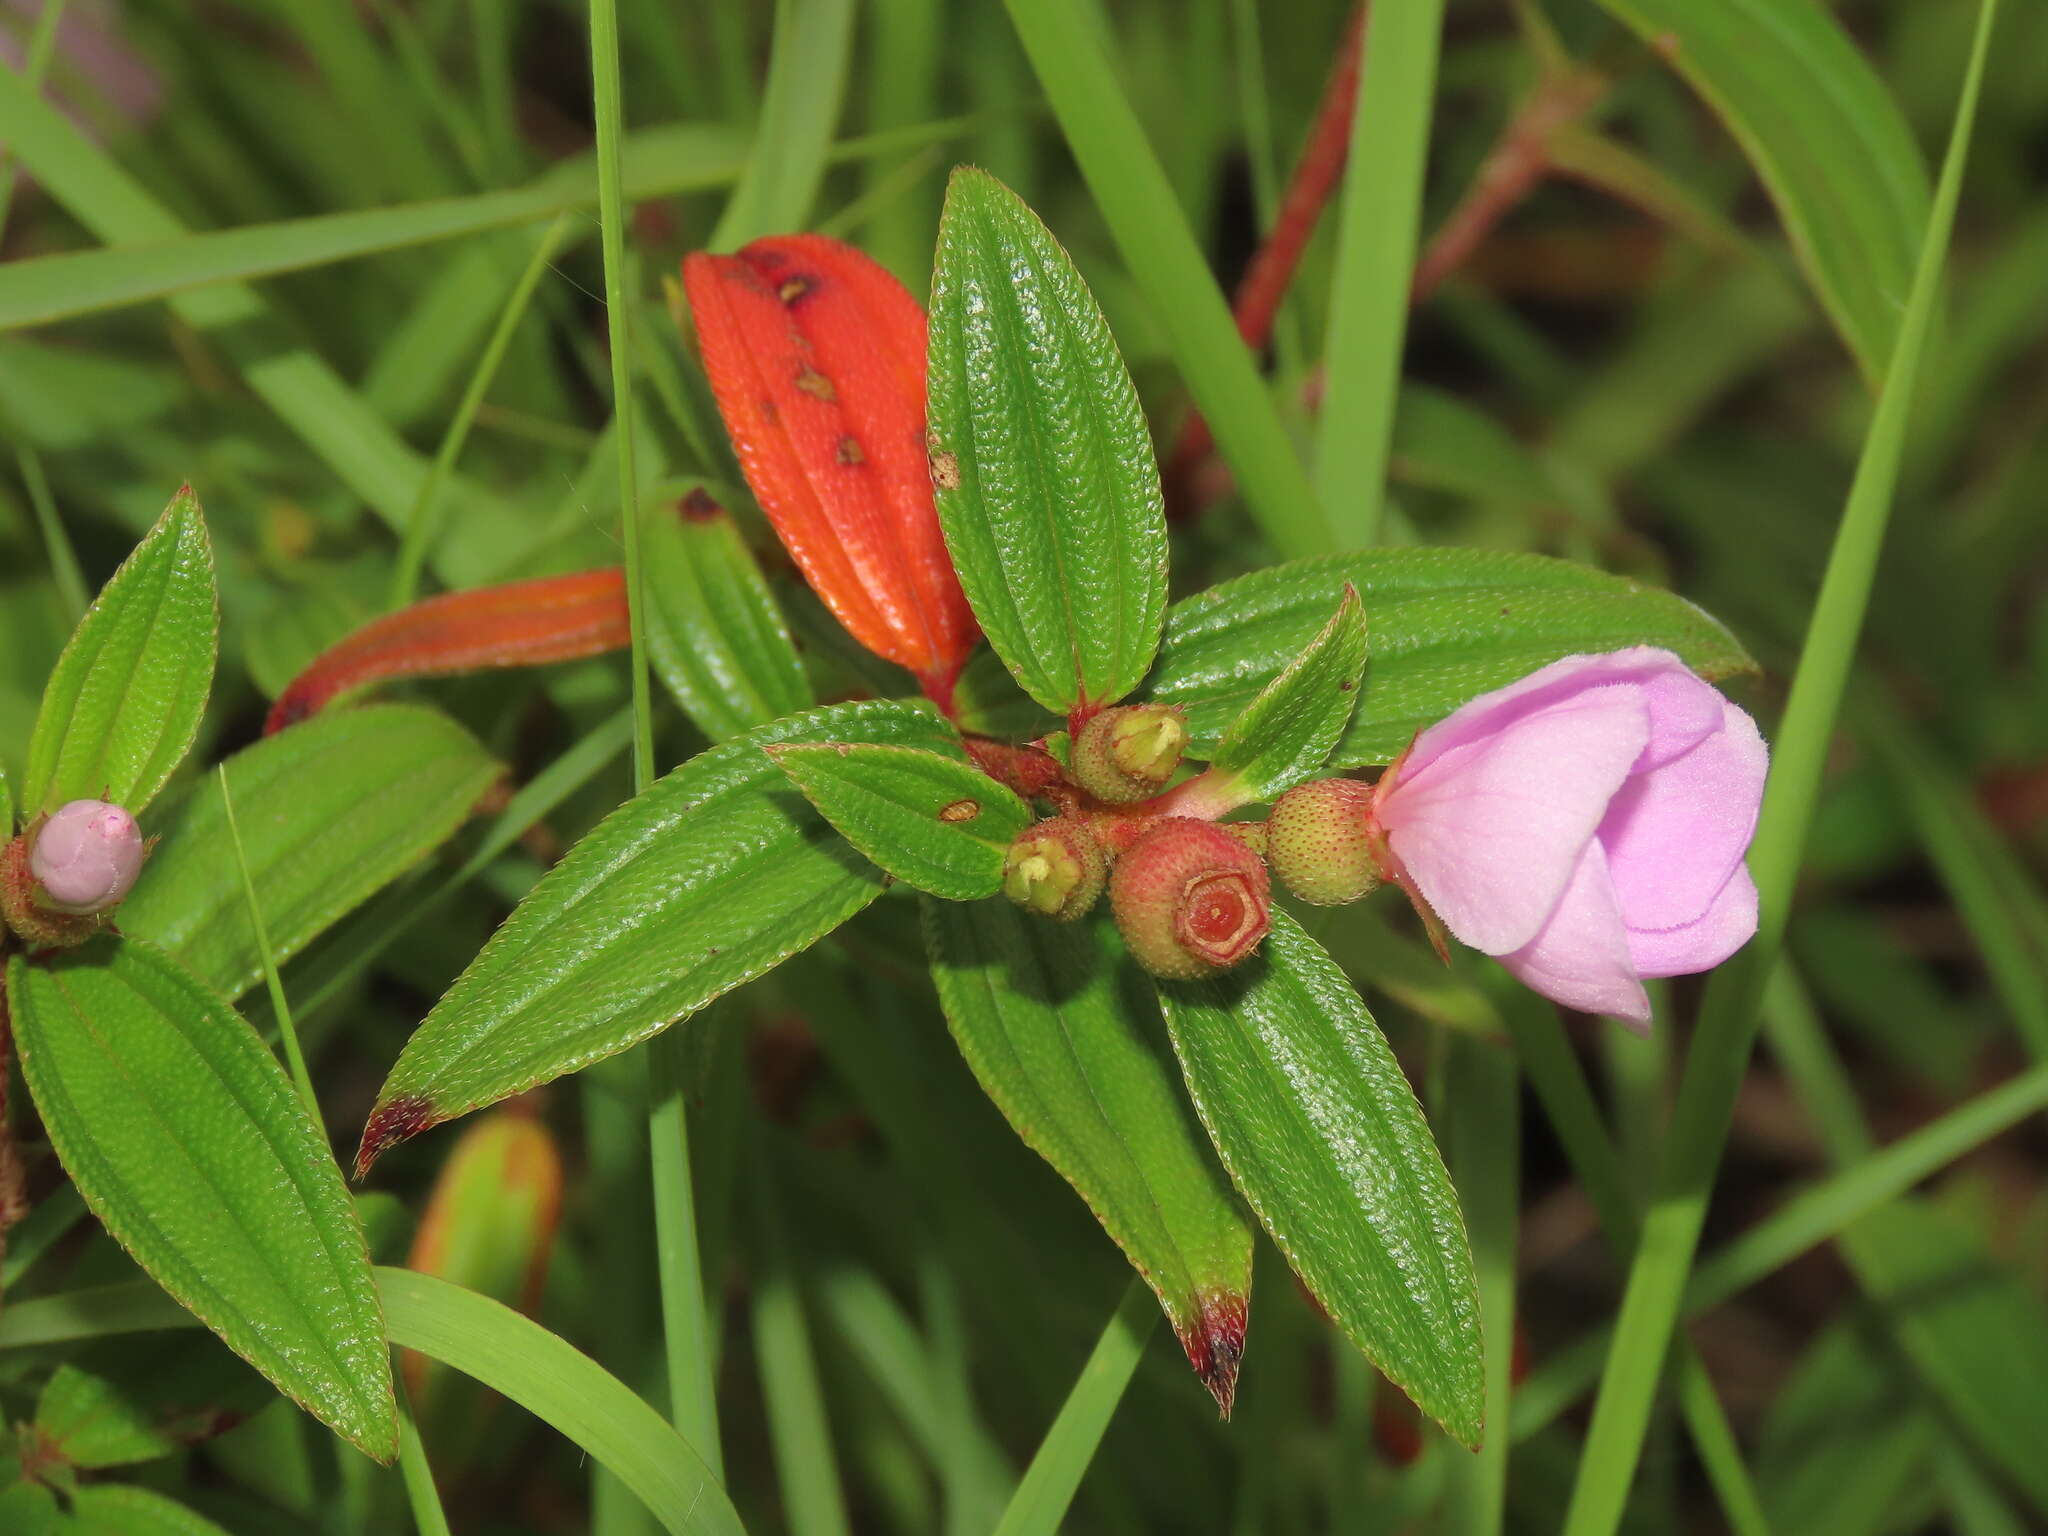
(1826,136)
(330,811)
(1323,1135)
(192,1147)
(125,700)
(709,877)
(715,636)
(91,1422)
(1061,1031)
(930,820)
(1446,625)
(1285,734)
(1041,459)
(119,1509)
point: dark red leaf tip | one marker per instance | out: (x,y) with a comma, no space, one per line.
(390,1123)
(1214,1341)
(699,506)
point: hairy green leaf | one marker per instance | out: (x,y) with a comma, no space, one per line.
(330,812)
(714,634)
(711,876)
(1323,1135)
(192,1147)
(91,1422)
(1041,459)
(1446,625)
(1062,1032)
(930,820)
(126,697)
(1825,135)
(1285,734)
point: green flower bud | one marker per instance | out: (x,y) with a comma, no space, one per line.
(1056,868)
(1321,842)
(1129,753)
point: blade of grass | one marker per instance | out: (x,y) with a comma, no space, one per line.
(1131,190)
(42,43)
(420,522)
(428,1518)
(806,1469)
(799,108)
(1039,1506)
(1483,1088)
(693,1403)
(1720,1047)
(282,1009)
(1377,234)
(64,571)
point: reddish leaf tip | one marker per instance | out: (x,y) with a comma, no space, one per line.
(1214,1341)
(390,1123)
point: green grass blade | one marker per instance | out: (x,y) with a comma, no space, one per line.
(806,1468)
(294,1057)
(421,521)
(1039,1506)
(799,108)
(42,42)
(1130,186)
(70,580)
(1720,1047)
(1376,238)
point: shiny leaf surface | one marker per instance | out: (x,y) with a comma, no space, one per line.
(1321,1131)
(1040,456)
(192,1147)
(1285,734)
(125,699)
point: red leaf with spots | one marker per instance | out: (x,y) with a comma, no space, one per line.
(817,357)
(519,624)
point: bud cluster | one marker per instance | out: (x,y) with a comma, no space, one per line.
(1191,896)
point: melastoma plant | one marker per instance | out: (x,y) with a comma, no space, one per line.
(1089,811)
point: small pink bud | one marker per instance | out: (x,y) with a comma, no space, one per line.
(85,857)
(1190,899)
(1320,841)
(1129,753)
(1056,868)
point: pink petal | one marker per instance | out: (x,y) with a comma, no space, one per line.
(1684,711)
(1492,830)
(1507,705)
(1674,834)
(1726,925)
(1582,957)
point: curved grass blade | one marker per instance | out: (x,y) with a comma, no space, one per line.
(192,1147)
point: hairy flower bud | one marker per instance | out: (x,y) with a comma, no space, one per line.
(85,856)
(1056,868)
(1190,899)
(1128,753)
(1320,841)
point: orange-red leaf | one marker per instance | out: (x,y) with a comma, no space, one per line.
(817,357)
(520,624)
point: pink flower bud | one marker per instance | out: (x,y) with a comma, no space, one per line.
(1190,899)
(1586,825)
(86,856)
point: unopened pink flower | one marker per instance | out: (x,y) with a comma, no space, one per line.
(1586,825)
(86,856)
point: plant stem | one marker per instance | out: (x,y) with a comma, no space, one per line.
(427,1515)
(1728,1020)
(693,1402)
